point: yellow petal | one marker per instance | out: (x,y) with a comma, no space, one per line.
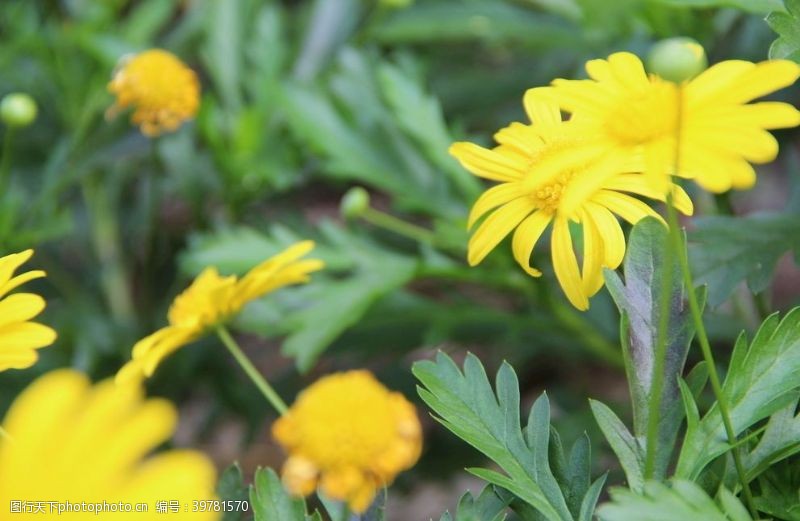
(487,163)
(20,307)
(492,198)
(28,335)
(627,207)
(525,238)
(541,110)
(593,257)
(611,232)
(566,265)
(495,228)
(639,185)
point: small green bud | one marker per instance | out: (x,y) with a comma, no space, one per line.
(18,109)
(354,203)
(677,59)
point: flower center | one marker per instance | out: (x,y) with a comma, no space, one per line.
(548,197)
(659,101)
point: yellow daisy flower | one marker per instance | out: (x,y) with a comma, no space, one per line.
(163,91)
(19,337)
(69,443)
(213,299)
(350,435)
(550,173)
(631,112)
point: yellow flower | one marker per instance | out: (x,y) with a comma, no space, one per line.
(350,435)
(720,133)
(549,172)
(163,91)
(69,441)
(211,300)
(19,337)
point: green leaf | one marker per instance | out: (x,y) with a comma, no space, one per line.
(639,302)
(787,24)
(762,378)
(622,442)
(231,487)
(330,23)
(682,501)
(489,420)
(270,501)
(780,491)
(487,507)
(781,439)
(724,251)
(752,6)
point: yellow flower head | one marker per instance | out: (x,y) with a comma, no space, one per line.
(350,435)
(19,337)
(549,172)
(162,90)
(720,134)
(211,300)
(69,441)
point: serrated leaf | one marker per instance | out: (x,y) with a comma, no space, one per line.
(622,442)
(724,250)
(681,501)
(270,501)
(231,487)
(489,420)
(488,506)
(787,24)
(763,377)
(639,301)
(780,440)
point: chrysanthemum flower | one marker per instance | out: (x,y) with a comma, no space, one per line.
(633,113)
(162,90)
(212,300)
(69,441)
(550,173)
(350,435)
(19,337)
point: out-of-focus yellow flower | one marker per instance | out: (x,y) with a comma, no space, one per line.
(550,172)
(162,90)
(632,113)
(350,435)
(213,299)
(19,337)
(69,443)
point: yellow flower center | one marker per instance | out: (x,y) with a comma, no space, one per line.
(657,102)
(548,197)
(163,91)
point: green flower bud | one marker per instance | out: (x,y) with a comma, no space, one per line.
(18,109)
(354,203)
(677,59)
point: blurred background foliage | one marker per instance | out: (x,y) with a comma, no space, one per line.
(302,100)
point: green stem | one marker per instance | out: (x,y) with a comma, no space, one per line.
(705,346)
(266,389)
(345,514)
(5,160)
(398,226)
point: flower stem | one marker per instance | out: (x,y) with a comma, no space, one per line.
(398,226)
(705,347)
(266,389)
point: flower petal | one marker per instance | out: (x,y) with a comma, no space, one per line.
(495,228)
(565,265)
(487,163)
(525,238)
